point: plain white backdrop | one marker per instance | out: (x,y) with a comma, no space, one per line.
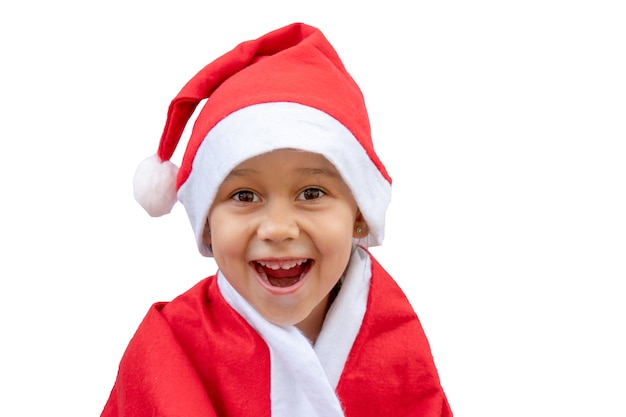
(502,124)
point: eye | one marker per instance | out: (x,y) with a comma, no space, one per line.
(311,194)
(245,196)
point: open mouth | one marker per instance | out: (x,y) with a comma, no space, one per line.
(282,273)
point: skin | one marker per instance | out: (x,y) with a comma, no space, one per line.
(280,209)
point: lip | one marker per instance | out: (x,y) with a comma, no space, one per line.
(281,291)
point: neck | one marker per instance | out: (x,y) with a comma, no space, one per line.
(312,325)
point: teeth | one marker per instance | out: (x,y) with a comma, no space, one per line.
(281,264)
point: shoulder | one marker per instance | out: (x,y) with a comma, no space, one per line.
(390,312)
(385,293)
(202,306)
(196,297)
(200,313)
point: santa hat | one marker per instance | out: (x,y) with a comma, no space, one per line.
(286,89)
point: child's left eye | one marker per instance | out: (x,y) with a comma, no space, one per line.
(311,194)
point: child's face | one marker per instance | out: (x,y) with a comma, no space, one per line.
(281,231)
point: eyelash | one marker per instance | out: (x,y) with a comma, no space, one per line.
(301,196)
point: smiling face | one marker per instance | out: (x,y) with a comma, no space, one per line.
(281,229)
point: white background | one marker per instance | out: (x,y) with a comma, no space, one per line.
(501,123)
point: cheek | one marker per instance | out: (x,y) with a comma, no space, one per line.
(336,234)
(225,245)
(224,242)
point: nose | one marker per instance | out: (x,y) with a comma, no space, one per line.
(278,223)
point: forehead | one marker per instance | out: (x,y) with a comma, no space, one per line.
(282,160)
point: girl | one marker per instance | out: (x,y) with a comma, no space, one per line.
(283,188)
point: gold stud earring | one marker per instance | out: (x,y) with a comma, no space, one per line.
(359,230)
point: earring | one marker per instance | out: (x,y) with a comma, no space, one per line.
(359,230)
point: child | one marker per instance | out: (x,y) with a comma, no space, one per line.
(283,188)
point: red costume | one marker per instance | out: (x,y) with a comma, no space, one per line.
(196,357)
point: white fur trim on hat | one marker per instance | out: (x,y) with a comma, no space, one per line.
(265,127)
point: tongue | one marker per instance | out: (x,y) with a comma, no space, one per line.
(282,282)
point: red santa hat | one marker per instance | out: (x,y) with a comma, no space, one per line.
(286,89)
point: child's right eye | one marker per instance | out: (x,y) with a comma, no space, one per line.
(245,196)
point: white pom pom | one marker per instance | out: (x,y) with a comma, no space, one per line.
(155,185)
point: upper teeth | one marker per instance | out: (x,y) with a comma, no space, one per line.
(281,264)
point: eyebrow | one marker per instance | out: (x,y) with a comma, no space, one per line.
(319,171)
(242,172)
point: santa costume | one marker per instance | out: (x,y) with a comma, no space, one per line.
(209,352)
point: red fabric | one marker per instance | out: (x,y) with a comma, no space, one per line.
(390,370)
(196,357)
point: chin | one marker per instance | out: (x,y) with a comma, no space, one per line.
(284,319)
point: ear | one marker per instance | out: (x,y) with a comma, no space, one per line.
(206,234)
(360,227)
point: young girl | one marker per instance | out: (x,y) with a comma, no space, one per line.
(283,188)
